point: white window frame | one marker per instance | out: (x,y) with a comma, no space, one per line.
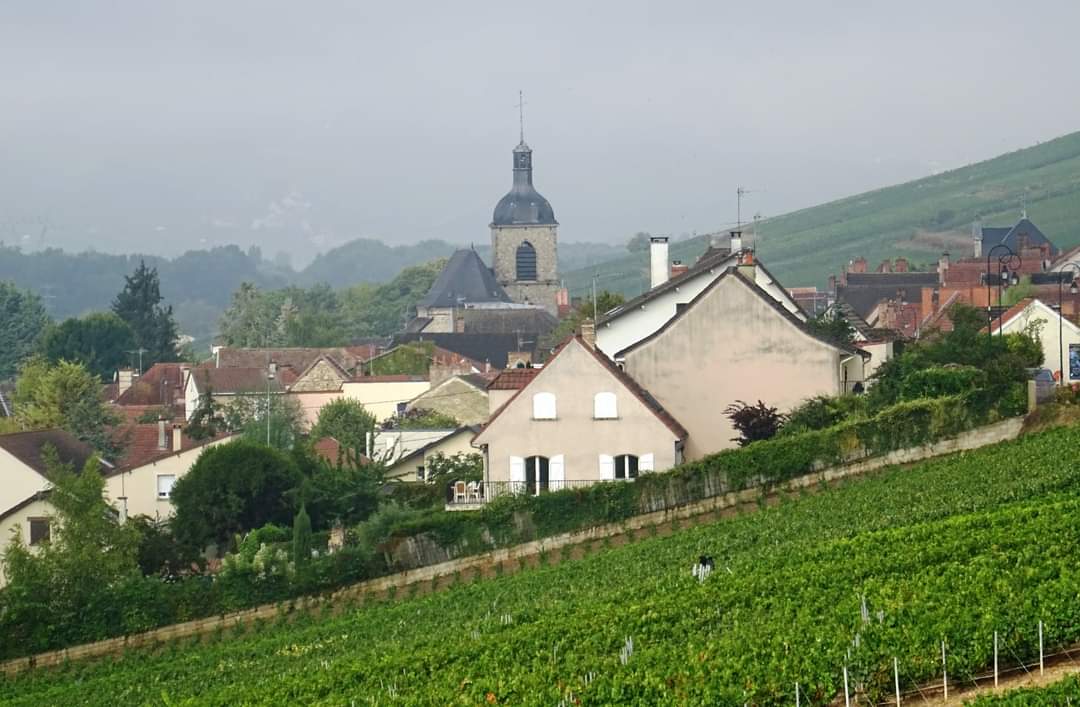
(168,492)
(605,406)
(544,406)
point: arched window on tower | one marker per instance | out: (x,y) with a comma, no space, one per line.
(526,262)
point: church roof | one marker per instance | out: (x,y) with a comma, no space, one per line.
(464,279)
(523,205)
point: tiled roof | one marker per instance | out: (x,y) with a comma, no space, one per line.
(483,348)
(464,279)
(395,378)
(230,381)
(513,378)
(864,291)
(160,385)
(142,446)
(525,320)
(297,358)
(27,447)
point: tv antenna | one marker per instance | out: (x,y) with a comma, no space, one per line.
(140,351)
(740,192)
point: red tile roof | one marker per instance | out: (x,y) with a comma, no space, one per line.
(229,381)
(297,358)
(160,385)
(513,378)
(142,444)
(27,448)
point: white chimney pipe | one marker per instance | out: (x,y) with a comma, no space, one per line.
(658,261)
(736,241)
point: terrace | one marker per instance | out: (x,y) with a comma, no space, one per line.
(473,495)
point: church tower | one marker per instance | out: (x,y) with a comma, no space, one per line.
(524,242)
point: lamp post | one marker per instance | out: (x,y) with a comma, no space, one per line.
(269,380)
(1073,289)
(1003,280)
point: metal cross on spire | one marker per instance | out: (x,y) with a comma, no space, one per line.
(521,113)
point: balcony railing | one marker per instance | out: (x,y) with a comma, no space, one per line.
(473,493)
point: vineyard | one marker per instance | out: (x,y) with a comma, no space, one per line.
(1062,693)
(880,567)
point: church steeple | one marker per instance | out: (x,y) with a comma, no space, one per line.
(523,205)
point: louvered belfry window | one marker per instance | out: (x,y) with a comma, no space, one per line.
(526,262)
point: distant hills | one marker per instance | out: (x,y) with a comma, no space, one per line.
(917,219)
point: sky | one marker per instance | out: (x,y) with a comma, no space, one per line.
(160,126)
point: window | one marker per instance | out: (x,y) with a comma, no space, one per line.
(164,485)
(544,406)
(537,474)
(626,466)
(525,259)
(39,530)
(420,473)
(604,406)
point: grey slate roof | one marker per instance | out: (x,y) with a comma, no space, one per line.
(509,321)
(863,291)
(1010,236)
(523,205)
(464,279)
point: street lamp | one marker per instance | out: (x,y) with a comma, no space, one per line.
(269,380)
(1073,289)
(1004,279)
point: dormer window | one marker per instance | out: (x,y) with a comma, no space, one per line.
(605,406)
(544,406)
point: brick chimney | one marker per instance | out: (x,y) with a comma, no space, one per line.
(832,284)
(885,266)
(588,333)
(857,265)
(678,267)
(900,265)
(943,267)
(747,268)
(177,437)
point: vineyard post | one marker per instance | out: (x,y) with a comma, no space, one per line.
(896,679)
(847,696)
(944,671)
(796,694)
(995,660)
(1040,649)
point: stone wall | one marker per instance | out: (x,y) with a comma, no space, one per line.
(504,244)
(321,377)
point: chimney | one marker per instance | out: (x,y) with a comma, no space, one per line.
(162,440)
(124,379)
(976,237)
(832,284)
(678,268)
(588,333)
(943,267)
(885,266)
(177,438)
(900,265)
(217,356)
(658,261)
(858,265)
(746,266)
(736,241)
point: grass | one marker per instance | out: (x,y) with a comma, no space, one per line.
(916,219)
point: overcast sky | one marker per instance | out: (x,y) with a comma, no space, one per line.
(301,125)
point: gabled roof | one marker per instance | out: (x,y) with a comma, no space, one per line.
(1024,228)
(765,296)
(525,320)
(941,320)
(297,358)
(864,291)
(484,348)
(513,378)
(1022,306)
(28,448)
(341,373)
(420,451)
(629,383)
(237,381)
(157,386)
(860,325)
(142,446)
(464,279)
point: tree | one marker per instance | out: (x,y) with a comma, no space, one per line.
(22,319)
(139,304)
(246,414)
(605,302)
(205,422)
(832,327)
(346,421)
(100,341)
(52,593)
(346,491)
(301,538)
(233,488)
(639,242)
(754,422)
(65,395)
(421,419)
(458,467)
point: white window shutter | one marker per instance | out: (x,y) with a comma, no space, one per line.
(517,470)
(557,469)
(607,467)
(645,463)
(544,406)
(605,407)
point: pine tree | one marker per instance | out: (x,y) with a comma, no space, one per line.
(139,304)
(302,538)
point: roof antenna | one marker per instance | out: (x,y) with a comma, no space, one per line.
(521,114)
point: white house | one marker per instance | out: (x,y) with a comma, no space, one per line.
(1058,349)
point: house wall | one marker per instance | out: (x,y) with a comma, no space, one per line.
(498,398)
(311,403)
(1053,346)
(458,443)
(631,327)
(880,352)
(19,523)
(731,345)
(20,482)
(322,377)
(574,377)
(381,398)
(465,403)
(139,485)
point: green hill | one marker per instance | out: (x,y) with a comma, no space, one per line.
(917,219)
(883,566)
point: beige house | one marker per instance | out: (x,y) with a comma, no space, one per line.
(381,395)
(464,398)
(414,466)
(156,458)
(579,420)
(735,342)
(24,506)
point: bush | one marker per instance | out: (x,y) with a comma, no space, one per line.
(938,381)
(754,422)
(823,411)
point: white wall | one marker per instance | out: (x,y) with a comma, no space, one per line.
(1053,347)
(381,398)
(20,482)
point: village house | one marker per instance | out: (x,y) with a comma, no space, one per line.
(642,316)
(462,397)
(732,342)
(1061,352)
(414,465)
(579,420)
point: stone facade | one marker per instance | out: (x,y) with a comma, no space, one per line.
(322,376)
(457,398)
(505,241)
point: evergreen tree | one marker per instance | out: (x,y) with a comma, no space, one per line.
(22,319)
(139,304)
(302,538)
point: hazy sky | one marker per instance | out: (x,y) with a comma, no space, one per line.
(301,125)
